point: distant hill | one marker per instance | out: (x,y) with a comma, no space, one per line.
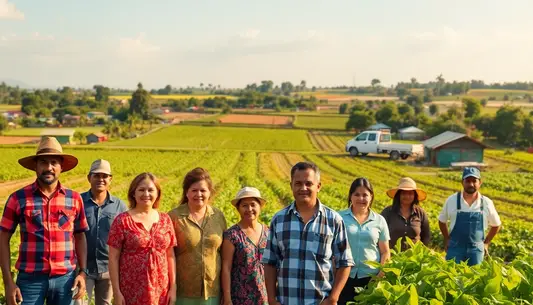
(13,83)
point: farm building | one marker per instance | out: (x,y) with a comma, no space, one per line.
(63,136)
(411,133)
(379,126)
(452,147)
(71,120)
(96,137)
(95,114)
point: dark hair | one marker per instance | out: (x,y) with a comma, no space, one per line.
(135,183)
(396,202)
(364,183)
(196,175)
(305,165)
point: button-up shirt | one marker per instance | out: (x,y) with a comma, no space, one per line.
(47,228)
(303,253)
(490,215)
(364,239)
(100,219)
(416,226)
(198,261)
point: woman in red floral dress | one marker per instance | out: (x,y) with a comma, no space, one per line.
(141,249)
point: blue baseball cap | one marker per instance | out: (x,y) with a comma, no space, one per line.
(471,172)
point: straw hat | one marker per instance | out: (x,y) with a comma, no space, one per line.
(248,192)
(49,146)
(407,184)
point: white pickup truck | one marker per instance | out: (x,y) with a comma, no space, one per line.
(379,142)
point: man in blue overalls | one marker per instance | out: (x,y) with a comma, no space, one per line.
(469,214)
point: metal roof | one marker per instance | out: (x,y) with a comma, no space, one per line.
(57,132)
(442,139)
(411,129)
(378,126)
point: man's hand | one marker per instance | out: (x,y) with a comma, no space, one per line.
(328,301)
(486,247)
(446,242)
(79,282)
(13,294)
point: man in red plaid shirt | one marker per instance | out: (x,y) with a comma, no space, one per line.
(52,254)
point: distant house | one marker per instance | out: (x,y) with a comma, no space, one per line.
(95,114)
(63,136)
(71,120)
(450,147)
(13,115)
(379,126)
(161,110)
(96,137)
(411,133)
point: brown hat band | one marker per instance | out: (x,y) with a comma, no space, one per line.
(49,151)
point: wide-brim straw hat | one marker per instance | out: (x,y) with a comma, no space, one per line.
(407,184)
(49,146)
(248,192)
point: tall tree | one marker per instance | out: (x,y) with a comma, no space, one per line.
(413,82)
(433,109)
(472,107)
(360,120)
(375,82)
(508,124)
(140,102)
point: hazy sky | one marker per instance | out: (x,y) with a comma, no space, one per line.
(232,43)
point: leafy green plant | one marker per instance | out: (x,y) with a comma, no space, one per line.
(422,276)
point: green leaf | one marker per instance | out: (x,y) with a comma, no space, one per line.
(396,271)
(435,302)
(440,294)
(493,286)
(513,279)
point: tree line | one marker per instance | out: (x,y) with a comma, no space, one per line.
(510,126)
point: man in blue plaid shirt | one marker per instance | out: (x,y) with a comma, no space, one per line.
(304,239)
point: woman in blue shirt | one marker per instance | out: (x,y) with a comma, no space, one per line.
(368,235)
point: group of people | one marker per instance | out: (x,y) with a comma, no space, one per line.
(134,254)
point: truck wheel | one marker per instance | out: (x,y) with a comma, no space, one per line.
(364,154)
(394,155)
(404,156)
(354,152)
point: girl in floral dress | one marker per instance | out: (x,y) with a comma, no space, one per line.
(141,249)
(243,280)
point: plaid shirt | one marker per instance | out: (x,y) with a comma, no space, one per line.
(303,254)
(47,228)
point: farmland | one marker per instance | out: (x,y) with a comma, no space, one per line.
(255,119)
(235,138)
(238,156)
(175,96)
(35,132)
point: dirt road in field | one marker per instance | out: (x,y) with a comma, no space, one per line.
(18,140)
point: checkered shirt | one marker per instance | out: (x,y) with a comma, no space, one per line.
(47,228)
(303,254)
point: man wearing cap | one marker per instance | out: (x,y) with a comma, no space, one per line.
(469,214)
(52,254)
(101,208)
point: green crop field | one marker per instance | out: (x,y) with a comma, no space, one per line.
(199,137)
(35,132)
(5,107)
(263,158)
(321,122)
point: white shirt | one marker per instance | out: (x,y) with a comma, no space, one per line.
(449,211)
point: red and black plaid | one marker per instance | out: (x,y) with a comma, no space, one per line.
(47,228)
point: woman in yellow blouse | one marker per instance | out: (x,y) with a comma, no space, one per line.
(199,231)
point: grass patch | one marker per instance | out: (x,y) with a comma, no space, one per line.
(204,137)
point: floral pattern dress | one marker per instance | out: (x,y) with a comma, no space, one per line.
(247,273)
(143,267)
